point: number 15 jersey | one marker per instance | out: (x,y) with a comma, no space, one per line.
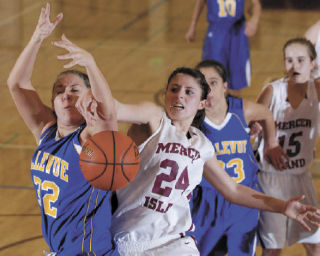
(297,128)
(156,203)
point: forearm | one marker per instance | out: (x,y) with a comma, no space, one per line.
(197,12)
(248,197)
(20,75)
(269,130)
(239,194)
(255,11)
(100,89)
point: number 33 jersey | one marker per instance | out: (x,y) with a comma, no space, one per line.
(156,203)
(297,128)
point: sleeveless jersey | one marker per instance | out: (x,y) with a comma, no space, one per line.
(156,203)
(231,141)
(76,217)
(227,12)
(297,129)
(213,216)
(226,42)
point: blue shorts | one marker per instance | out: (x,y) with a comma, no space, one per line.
(215,218)
(230,46)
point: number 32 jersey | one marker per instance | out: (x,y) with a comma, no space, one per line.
(156,203)
(75,216)
(297,128)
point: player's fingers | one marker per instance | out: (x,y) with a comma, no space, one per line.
(93,106)
(42,13)
(70,64)
(64,38)
(64,44)
(313,218)
(47,11)
(283,163)
(300,219)
(66,56)
(285,156)
(58,19)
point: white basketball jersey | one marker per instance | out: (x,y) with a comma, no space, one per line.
(156,202)
(296,128)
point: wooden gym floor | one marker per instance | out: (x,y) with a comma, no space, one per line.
(136,43)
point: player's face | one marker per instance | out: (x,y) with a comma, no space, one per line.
(66,92)
(218,88)
(298,63)
(183,98)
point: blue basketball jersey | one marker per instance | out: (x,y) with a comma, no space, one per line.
(75,216)
(212,215)
(231,141)
(226,42)
(225,11)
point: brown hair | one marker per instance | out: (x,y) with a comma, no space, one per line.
(303,41)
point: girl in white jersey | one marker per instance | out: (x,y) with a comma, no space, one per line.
(153,211)
(294,102)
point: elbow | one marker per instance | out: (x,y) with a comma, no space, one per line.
(12,83)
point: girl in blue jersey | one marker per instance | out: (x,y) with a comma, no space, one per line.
(226,126)
(226,39)
(75,216)
(153,211)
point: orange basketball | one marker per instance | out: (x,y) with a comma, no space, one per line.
(109,160)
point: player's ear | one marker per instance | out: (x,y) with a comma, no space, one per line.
(225,85)
(202,104)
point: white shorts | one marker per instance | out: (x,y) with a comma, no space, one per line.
(170,245)
(276,230)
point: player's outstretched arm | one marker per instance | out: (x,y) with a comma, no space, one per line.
(306,215)
(191,33)
(35,114)
(97,105)
(100,108)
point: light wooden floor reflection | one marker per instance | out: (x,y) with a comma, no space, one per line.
(136,43)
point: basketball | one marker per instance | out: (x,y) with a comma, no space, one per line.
(109,160)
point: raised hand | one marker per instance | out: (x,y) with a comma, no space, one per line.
(45,26)
(77,55)
(306,215)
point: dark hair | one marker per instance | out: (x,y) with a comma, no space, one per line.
(303,41)
(78,73)
(199,77)
(214,64)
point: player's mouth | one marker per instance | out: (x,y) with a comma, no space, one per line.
(68,107)
(295,73)
(177,106)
